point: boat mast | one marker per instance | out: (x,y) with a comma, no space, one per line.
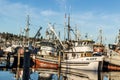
(53,36)
(65,28)
(51,28)
(27,28)
(77,35)
(100,36)
(69,27)
(119,38)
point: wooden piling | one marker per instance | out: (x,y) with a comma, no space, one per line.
(8,60)
(18,64)
(26,62)
(59,65)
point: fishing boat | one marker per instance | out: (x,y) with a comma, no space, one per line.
(78,55)
(81,57)
(45,63)
(47,48)
(47,54)
(113,56)
(99,48)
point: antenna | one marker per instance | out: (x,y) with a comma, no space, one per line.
(86,35)
(20,31)
(76,32)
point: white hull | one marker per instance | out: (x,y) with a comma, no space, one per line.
(92,66)
(85,63)
(114,61)
(114,58)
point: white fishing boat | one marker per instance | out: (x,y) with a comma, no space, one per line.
(78,55)
(81,57)
(85,63)
(113,55)
(113,58)
(47,48)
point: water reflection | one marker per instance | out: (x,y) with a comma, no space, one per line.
(6,75)
(82,75)
(111,76)
(43,74)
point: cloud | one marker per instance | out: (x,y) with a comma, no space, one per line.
(13,15)
(90,22)
(10,9)
(86,15)
(115,18)
(17,10)
(96,18)
(48,13)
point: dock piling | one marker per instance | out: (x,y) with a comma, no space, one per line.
(26,73)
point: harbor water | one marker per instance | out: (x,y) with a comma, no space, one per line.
(54,75)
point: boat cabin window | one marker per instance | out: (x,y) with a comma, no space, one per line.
(46,44)
(111,46)
(84,43)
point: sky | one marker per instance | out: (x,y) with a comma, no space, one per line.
(89,16)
